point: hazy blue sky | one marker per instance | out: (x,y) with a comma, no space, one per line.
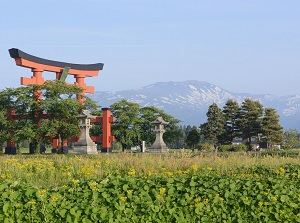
(248,46)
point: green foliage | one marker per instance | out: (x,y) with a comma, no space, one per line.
(126,128)
(193,138)
(230,111)
(215,125)
(250,118)
(54,98)
(291,138)
(230,148)
(225,148)
(239,148)
(271,128)
(132,124)
(205,147)
(287,147)
(205,195)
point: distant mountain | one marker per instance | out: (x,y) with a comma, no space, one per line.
(188,101)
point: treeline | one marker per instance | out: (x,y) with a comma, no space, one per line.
(223,126)
(250,119)
(245,121)
(132,122)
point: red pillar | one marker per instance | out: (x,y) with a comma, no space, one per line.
(107,138)
(80,83)
(38,76)
(54,145)
(58,74)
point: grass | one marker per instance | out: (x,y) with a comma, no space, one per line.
(56,170)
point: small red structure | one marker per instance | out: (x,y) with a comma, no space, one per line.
(79,71)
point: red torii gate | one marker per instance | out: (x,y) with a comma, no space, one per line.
(79,71)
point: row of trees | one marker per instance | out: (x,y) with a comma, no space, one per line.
(245,121)
(132,122)
(57,100)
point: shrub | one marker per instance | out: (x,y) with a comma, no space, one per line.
(287,147)
(205,147)
(225,148)
(241,147)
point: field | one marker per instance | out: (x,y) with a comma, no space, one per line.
(127,187)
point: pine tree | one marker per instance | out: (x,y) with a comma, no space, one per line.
(215,125)
(193,138)
(271,128)
(250,119)
(230,111)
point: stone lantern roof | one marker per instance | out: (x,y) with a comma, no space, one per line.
(159,120)
(85,114)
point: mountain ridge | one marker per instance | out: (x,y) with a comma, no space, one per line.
(189,100)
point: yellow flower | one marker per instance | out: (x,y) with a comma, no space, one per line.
(53,198)
(123,199)
(194,167)
(93,185)
(169,174)
(32,202)
(75,181)
(209,168)
(280,171)
(274,198)
(41,193)
(245,199)
(131,172)
(260,204)
(129,192)
(162,190)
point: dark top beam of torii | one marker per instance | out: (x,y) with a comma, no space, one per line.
(38,65)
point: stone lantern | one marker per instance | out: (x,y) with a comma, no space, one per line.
(159,146)
(85,144)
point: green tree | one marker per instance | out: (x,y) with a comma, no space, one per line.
(150,113)
(147,115)
(271,129)
(193,138)
(32,103)
(60,103)
(180,141)
(214,128)
(173,134)
(19,101)
(250,119)
(126,127)
(230,111)
(292,138)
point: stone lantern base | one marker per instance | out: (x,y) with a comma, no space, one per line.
(85,149)
(158,150)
